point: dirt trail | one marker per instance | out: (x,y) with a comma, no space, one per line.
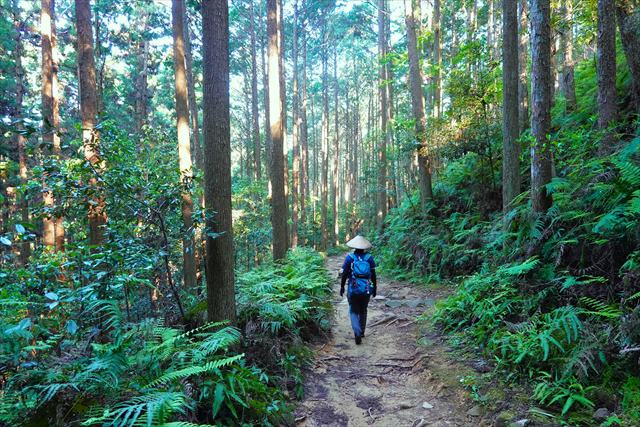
(391,379)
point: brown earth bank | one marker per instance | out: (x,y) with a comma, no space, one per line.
(403,374)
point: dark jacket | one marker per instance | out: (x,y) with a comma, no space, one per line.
(346,271)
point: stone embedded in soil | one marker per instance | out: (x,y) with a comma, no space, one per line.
(393,303)
(601,414)
(427,405)
(476,411)
(405,405)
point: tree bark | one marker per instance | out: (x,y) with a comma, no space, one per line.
(540,17)
(141,87)
(437,59)
(567,81)
(324,150)
(255,115)
(510,128)
(217,156)
(381,210)
(295,188)
(523,59)
(336,150)
(53,231)
(412,19)
(278,195)
(184,144)
(628,13)
(283,114)
(196,153)
(606,69)
(304,134)
(20,140)
(88,110)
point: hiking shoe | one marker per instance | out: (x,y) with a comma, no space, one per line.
(358,340)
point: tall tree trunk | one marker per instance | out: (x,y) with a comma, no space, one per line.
(567,82)
(88,111)
(101,59)
(20,140)
(184,145)
(141,86)
(606,69)
(491,39)
(295,189)
(50,115)
(283,114)
(510,128)
(523,59)
(412,19)
(540,17)
(437,59)
(336,150)
(278,195)
(255,115)
(217,157)
(196,153)
(324,150)
(628,13)
(267,114)
(304,134)
(381,210)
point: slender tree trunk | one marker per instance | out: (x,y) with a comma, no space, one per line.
(304,134)
(217,157)
(336,149)
(141,86)
(255,115)
(606,69)
(523,59)
(20,140)
(324,151)
(50,118)
(278,195)
(88,109)
(567,82)
(101,61)
(510,128)
(381,211)
(267,124)
(628,13)
(196,153)
(412,19)
(541,103)
(283,114)
(491,44)
(437,59)
(295,189)
(184,145)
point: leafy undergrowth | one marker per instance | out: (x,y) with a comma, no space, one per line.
(100,368)
(282,306)
(552,300)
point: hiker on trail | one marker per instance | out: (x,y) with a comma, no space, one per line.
(359,269)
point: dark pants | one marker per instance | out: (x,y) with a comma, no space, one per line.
(358,313)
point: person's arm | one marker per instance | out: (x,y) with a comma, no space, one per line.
(346,272)
(374,278)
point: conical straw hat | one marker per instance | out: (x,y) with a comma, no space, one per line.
(359,242)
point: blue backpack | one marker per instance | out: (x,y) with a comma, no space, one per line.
(360,274)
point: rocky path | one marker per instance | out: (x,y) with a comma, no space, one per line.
(401,375)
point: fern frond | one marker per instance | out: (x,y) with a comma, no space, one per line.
(194,370)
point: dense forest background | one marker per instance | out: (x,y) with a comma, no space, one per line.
(170,171)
